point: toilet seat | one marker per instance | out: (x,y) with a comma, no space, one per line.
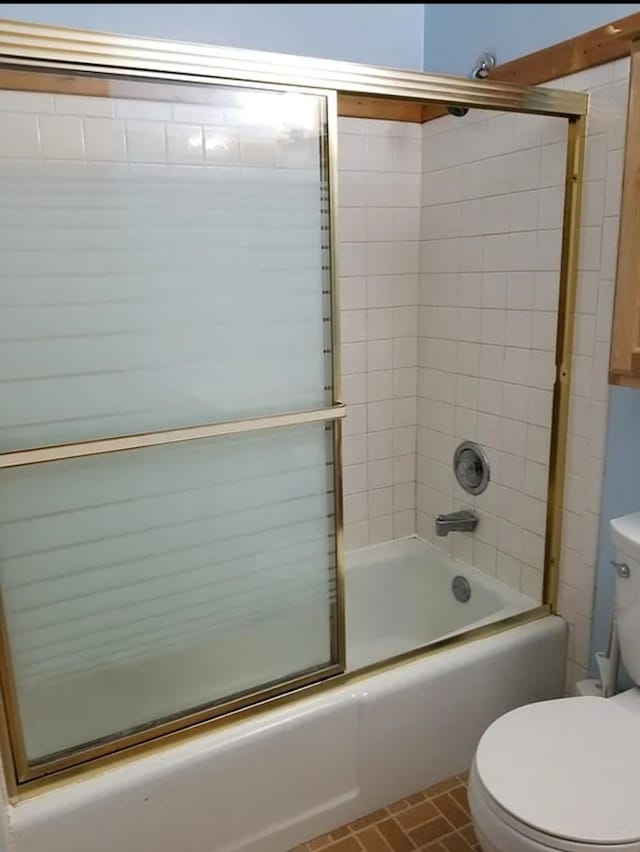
(510,835)
(564,773)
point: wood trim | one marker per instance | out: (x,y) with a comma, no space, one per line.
(431,111)
(596,47)
(67,84)
(390,109)
(71,83)
(624,381)
(353,106)
(626,310)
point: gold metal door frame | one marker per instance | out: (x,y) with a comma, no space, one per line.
(23,771)
(564,350)
(87,57)
(32,44)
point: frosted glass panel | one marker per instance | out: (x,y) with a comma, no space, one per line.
(145,583)
(161,261)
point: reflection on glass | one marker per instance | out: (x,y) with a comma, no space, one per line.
(161,265)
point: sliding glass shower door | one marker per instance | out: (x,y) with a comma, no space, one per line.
(170,523)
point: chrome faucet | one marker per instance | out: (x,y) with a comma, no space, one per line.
(463,521)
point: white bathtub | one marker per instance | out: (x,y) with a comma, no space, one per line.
(271,782)
(399,597)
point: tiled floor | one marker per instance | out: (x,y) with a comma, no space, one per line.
(437,820)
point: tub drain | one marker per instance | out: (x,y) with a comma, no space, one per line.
(461,588)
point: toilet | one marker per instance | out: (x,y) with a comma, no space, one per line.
(565,774)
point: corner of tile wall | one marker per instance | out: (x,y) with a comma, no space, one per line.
(473,356)
(379,229)
(607,86)
(492,189)
(490,257)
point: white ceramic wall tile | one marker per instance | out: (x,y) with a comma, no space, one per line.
(61,137)
(148,110)
(82,105)
(104,139)
(379,230)
(37,103)
(589,400)
(146,141)
(492,195)
(19,135)
(185,143)
(489,280)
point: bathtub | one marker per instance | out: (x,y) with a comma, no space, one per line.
(268,782)
(399,597)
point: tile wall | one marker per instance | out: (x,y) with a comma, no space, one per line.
(489,264)
(379,198)
(492,196)
(606,123)
(490,213)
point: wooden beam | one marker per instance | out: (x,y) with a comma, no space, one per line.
(431,111)
(588,50)
(625,350)
(624,381)
(390,109)
(596,47)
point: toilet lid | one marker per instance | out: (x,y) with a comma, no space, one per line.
(569,768)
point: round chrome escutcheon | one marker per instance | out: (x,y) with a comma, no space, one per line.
(471,467)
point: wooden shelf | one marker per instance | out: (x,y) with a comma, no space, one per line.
(624,365)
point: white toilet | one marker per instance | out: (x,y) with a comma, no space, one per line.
(565,774)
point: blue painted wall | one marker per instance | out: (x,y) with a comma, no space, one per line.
(376,33)
(621,496)
(457,33)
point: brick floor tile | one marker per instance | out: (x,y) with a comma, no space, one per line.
(433,830)
(455,843)
(339,833)
(451,810)
(396,807)
(433,820)
(319,843)
(417,815)
(442,787)
(460,795)
(347,844)
(372,841)
(395,836)
(469,835)
(369,819)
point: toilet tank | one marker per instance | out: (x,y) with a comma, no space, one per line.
(625,534)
